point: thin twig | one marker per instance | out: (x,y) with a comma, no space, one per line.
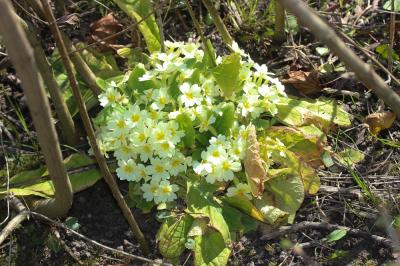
(123,253)
(326,226)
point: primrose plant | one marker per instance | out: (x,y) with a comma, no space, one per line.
(193,134)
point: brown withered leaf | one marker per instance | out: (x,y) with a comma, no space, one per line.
(305,82)
(379,121)
(103,28)
(253,164)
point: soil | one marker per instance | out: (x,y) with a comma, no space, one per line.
(40,243)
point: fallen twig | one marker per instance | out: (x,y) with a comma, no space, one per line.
(326,226)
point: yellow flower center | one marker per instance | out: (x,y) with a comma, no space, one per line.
(166,190)
(142,137)
(135,118)
(160,135)
(128,168)
(226,166)
(121,124)
(216,153)
(159,168)
(111,97)
(165,146)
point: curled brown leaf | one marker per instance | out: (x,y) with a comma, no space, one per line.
(103,28)
(379,121)
(253,164)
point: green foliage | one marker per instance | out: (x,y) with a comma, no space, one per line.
(226,74)
(172,236)
(180,128)
(210,249)
(336,235)
(140,10)
(29,183)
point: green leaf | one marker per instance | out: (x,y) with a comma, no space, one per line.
(350,157)
(186,124)
(285,192)
(245,205)
(210,249)
(224,122)
(201,204)
(103,65)
(72,223)
(30,183)
(322,51)
(388,5)
(172,236)
(383,50)
(226,74)
(133,56)
(207,60)
(133,83)
(142,10)
(336,235)
(327,159)
(322,113)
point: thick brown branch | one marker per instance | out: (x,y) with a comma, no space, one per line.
(326,34)
(22,57)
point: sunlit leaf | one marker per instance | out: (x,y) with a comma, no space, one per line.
(142,10)
(210,249)
(172,236)
(349,157)
(322,113)
(227,74)
(380,121)
(336,235)
(246,206)
(201,204)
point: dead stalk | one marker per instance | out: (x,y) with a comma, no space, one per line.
(22,56)
(327,35)
(109,178)
(279,33)
(218,22)
(67,125)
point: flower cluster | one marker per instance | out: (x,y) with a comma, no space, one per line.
(162,113)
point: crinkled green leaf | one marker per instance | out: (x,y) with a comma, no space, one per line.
(388,5)
(308,147)
(322,113)
(201,204)
(172,236)
(350,157)
(227,74)
(272,215)
(140,10)
(286,193)
(199,227)
(210,250)
(289,164)
(225,118)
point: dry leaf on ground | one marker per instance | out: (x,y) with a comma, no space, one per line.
(379,121)
(103,28)
(305,82)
